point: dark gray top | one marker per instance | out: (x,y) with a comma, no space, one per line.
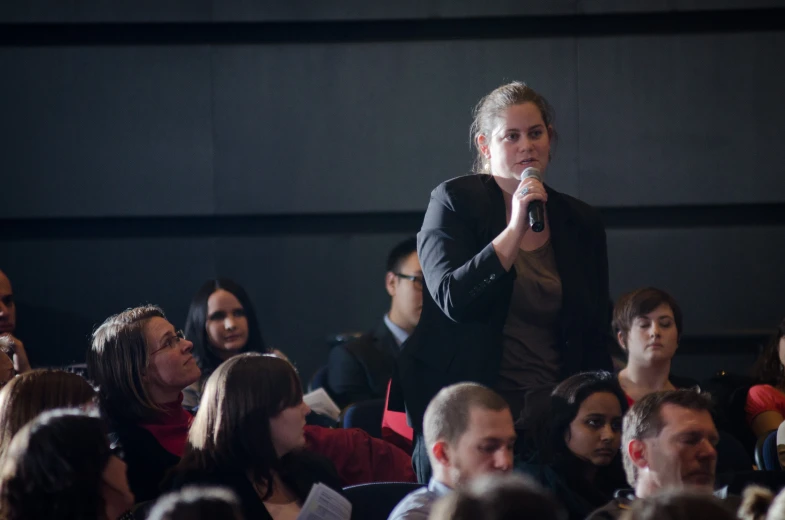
(529,355)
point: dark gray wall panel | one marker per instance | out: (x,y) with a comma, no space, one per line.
(58,11)
(243,10)
(656,6)
(725,280)
(93,131)
(304,287)
(682,119)
(308,287)
(65,287)
(54,11)
(368,127)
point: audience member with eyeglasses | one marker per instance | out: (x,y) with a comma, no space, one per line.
(361,369)
(141,365)
(511,308)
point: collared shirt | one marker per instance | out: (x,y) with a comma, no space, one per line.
(417,504)
(398,333)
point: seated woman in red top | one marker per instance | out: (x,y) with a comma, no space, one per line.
(141,365)
(648,324)
(766,402)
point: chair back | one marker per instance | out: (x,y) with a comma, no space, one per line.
(377,500)
(766,452)
(318,379)
(366,415)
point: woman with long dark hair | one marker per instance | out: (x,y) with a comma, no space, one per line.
(221,323)
(579,439)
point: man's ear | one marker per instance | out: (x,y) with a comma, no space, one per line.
(638,454)
(389,283)
(441,452)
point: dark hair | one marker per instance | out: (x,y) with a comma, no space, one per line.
(197,503)
(566,400)
(54,468)
(679,505)
(116,362)
(232,427)
(400,253)
(31,393)
(768,368)
(639,303)
(196,330)
(491,106)
(644,420)
(499,497)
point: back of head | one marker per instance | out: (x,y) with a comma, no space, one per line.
(679,505)
(116,362)
(54,467)
(499,497)
(755,503)
(232,426)
(644,420)
(31,393)
(197,503)
(196,329)
(448,413)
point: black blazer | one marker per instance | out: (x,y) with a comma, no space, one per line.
(301,471)
(459,336)
(360,370)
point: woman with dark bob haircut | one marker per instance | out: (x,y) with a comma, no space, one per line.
(248,436)
(60,466)
(221,323)
(579,459)
(31,393)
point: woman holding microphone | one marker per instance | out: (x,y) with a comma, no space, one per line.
(507,306)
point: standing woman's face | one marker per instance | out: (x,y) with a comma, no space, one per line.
(519,140)
(226,324)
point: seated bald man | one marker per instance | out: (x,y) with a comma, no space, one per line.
(468,430)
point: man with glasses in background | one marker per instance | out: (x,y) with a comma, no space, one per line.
(361,369)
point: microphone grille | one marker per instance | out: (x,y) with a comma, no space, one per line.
(531,172)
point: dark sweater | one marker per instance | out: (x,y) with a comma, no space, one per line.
(301,471)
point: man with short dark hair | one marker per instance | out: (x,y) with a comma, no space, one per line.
(468,431)
(13,358)
(361,369)
(668,441)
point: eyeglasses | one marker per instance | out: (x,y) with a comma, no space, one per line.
(171,341)
(418,281)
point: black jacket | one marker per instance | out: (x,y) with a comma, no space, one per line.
(148,462)
(360,370)
(459,336)
(301,471)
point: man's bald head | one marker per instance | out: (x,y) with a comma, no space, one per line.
(7,306)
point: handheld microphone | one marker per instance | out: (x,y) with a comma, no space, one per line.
(536,211)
